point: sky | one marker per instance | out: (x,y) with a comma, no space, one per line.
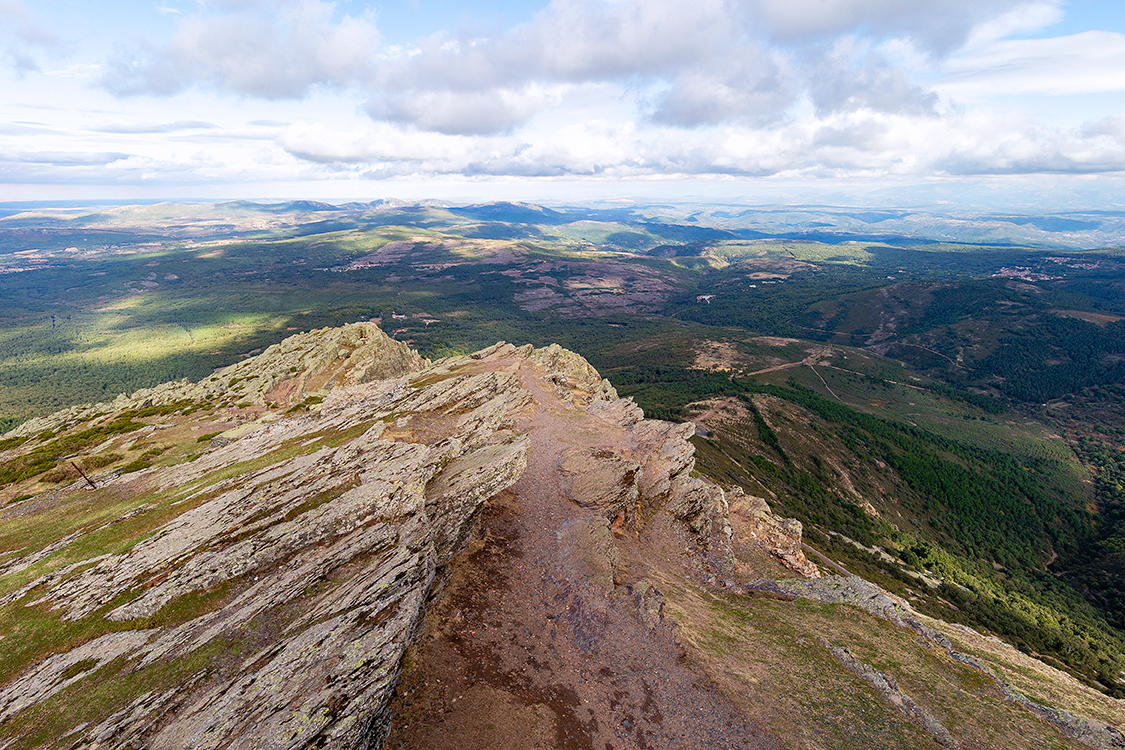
(962,103)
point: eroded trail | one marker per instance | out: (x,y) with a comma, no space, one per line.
(534,644)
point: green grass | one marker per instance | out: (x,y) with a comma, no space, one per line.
(107,689)
(1025,605)
(772,656)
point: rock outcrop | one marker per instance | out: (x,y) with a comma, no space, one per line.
(315,536)
(307,364)
(260,583)
(754,524)
(251,560)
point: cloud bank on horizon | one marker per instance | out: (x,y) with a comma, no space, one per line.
(201,96)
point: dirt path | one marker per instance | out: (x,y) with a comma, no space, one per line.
(923,348)
(810,360)
(703,417)
(526,649)
(825,383)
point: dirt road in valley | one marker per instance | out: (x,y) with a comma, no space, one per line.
(531,645)
(720,404)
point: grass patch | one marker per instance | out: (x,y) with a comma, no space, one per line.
(307,403)
(106,690)
(136,464)
(44,457)
(771,656)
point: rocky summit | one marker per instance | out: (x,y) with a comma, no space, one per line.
(338,543)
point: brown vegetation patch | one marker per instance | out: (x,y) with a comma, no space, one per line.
(1091,317)
(715,355)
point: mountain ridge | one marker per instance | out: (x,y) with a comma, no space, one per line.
(314,514)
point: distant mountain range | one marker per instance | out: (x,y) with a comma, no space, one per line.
(819,223)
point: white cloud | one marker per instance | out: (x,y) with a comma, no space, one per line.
(588,148)
(690,65)
(751,86)
(390,149)
(516,74)
(66,158)
(851,77)
(25,129)
(1021,20)
(276,51)
(141,127)
(466,112)
(857,143)
(1111,127)
(20,34)
(586,89)
(15,15)
(587,40)
(701,63)
(939,26)
(1093,61)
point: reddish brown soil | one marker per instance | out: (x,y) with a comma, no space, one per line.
(523,650)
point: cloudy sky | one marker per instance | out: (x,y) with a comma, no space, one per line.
(847,100)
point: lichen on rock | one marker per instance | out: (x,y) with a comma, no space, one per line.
(294,558)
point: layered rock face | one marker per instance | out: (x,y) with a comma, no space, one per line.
(259,585)
(317,537)
(755,525)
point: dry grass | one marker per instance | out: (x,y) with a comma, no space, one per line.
(771,656)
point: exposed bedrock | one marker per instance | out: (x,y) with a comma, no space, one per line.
(264,592)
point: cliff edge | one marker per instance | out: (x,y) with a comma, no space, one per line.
(254,576)
(338,543)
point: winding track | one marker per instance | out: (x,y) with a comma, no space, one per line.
(526,650)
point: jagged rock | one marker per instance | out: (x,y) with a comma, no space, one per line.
(851,590)
(650,602)
(264,590)
(315,362)
(754,523)
(668,455)
(301,365)
(62,670)
(323,550)
(332,548)
(329,545)
(591,554)
(463,485)
(1093,734)
(570,371)
(871,598)
(598,478)
(618,411)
